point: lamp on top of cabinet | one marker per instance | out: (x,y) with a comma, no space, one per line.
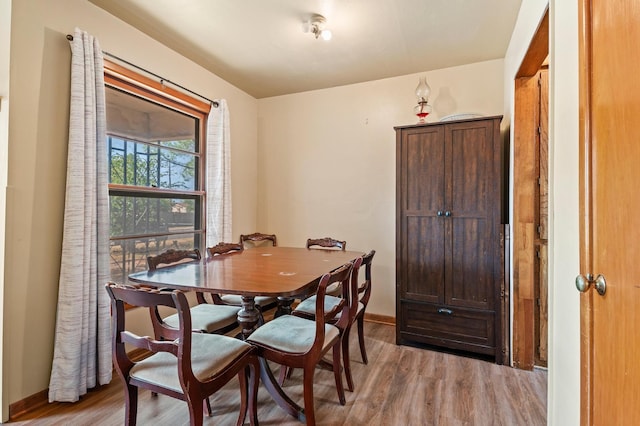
(422,93)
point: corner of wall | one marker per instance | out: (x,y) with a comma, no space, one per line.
(5,38)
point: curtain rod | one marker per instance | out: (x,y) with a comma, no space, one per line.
(162,79)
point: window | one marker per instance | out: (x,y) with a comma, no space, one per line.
(155,139)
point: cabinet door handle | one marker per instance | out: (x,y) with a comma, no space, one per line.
(445,311)
(447,213)
(440,213)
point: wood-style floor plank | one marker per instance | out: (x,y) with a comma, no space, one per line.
(400,386)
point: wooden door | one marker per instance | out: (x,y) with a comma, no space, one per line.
(610,210)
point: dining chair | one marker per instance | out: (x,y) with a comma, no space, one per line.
(171,257)
(326,242)
(224,248)
(263,303)
(364,293)
(306,309)
(182,364)
(205,316)
(332,244)
(283,304)
(257,238)
(297,342)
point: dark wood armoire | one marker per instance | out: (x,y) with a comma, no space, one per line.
(449,250)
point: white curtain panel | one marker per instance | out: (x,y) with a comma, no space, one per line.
(82,351)
(218,175)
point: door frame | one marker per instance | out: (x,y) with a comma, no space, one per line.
(586,240)
(524,184)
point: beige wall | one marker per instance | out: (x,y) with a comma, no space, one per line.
(40,63)
(327,159)
(5,37)
(564,309)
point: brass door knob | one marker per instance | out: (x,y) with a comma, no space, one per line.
(583,283)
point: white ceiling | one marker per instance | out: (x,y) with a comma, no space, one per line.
(260,47)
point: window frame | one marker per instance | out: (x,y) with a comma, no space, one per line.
(131,82)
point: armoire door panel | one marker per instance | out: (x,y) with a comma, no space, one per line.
(424,274)
(471,280)
(424,158)
(471,183)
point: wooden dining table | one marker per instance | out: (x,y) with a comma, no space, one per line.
(283,272)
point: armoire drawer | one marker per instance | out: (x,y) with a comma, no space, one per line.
(451,327)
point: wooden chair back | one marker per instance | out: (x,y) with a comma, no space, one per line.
(364,288)
(257,238)
(171,257)
(340,275)
(326,242)
(224,248)
(350,294)
(363,295)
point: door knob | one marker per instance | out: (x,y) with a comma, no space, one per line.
(440,213)
(600,284)
(447,213)
(584,282)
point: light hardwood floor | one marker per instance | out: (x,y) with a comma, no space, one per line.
(400,386)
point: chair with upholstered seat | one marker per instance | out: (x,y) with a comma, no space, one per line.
(364,293)
(258,238)
(359,294)
(328,243)
(172,257)
(263,303)
(224,248)
(306,309)
(207,317)
(296,342)
(182,364)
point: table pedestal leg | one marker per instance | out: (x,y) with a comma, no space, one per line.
(248,316)
(278,395)
(284,306)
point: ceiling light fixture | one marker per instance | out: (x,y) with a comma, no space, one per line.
(315,26)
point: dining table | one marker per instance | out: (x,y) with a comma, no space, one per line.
(282,272)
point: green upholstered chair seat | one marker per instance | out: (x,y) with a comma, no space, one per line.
(207,317)
(308,306)
(291,334)
(235,299)
(210,353)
